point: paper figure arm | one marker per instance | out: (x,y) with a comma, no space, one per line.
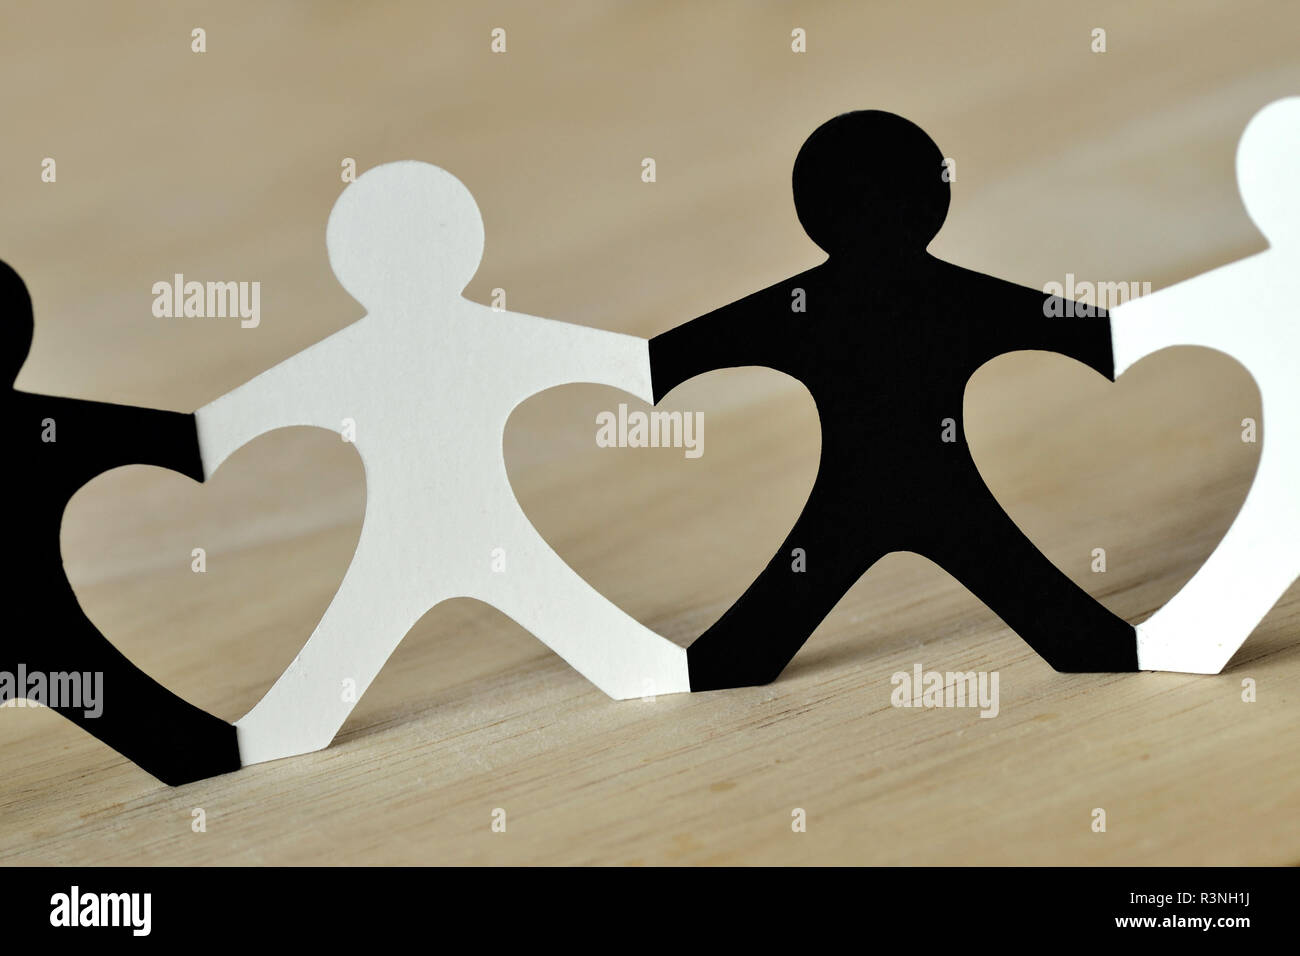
(728,337)
(550,352)
(1031,319)
(108,435)
(1198,311)
(295,392)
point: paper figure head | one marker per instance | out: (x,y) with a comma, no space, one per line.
(1267,172)
(403,235)
(870,183)
(17,318)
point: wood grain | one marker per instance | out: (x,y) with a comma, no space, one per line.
(224,165)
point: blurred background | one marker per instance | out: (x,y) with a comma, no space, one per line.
(223,165)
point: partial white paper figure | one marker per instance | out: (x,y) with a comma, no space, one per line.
(429,378)
(1248,310)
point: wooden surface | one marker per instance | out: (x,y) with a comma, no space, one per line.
(224,165)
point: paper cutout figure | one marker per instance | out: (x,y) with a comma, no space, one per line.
(52,651)
(1247,310)
(426,380)
(889,339)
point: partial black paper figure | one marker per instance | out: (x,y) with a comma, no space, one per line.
(887,343)
(59,444)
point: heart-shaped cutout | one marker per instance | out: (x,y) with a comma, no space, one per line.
(1125,486)
(216,586)
(628,519)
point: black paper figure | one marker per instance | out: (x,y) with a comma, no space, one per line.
(886,345)
(61,443)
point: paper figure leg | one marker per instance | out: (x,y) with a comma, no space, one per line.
(824,554)
(1202,626)
(609,647)
(313,697)
(979,545)
(131,712)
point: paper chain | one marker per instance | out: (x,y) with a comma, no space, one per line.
(405,239)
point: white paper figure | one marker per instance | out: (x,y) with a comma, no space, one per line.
(429,379)
(1248,310)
